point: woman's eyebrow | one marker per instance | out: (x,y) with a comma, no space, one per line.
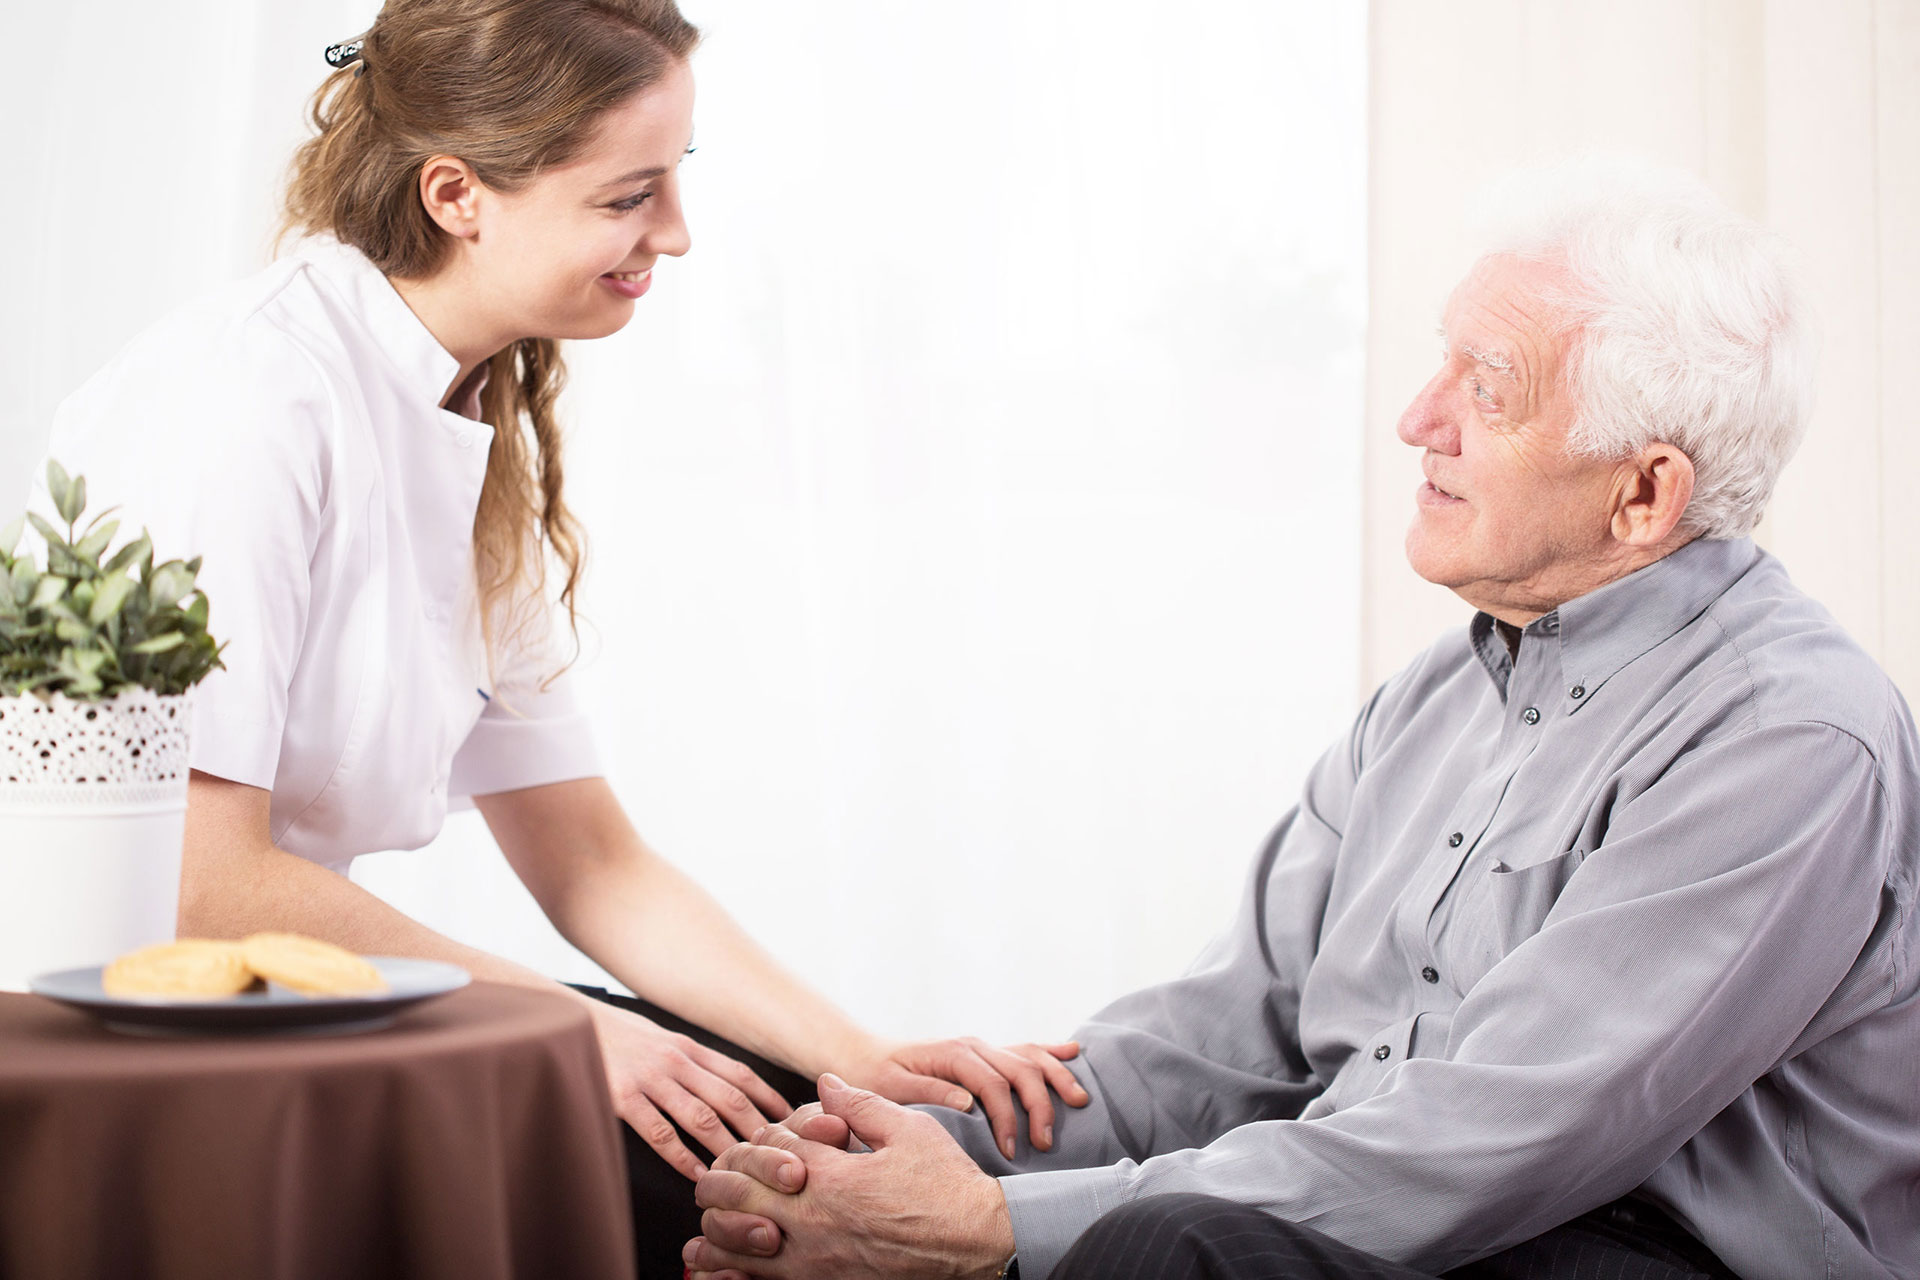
(638,175)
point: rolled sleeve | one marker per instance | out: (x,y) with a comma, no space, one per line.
(526,738)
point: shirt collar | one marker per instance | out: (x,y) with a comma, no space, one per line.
(1602,631)
(416,355)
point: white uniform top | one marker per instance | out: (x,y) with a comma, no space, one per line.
(288,429)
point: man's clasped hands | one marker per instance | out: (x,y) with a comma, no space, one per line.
(795,1202)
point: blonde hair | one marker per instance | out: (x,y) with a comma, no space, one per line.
(513,87)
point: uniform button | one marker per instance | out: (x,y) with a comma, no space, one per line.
(1453,841)
(1531,715)
(1430,974)
(1578,691)
(1382,1054)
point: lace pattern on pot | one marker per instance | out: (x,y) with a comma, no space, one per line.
(129,750)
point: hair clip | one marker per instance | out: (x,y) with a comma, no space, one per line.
(345,54)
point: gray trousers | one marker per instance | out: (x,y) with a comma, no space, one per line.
(1192,1237)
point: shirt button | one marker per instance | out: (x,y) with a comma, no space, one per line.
(1430,974)
(1453,841)
(1531,715)
(1382,1054)
(464,439)
(1578,691)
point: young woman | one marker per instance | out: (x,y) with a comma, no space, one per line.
(361,442)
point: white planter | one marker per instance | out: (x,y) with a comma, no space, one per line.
(93,808)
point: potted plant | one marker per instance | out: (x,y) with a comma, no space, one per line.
(99,651)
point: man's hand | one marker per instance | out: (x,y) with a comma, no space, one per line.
(787,1207)
(655,1074)
(927,1071)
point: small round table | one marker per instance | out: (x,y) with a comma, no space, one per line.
(472,1139)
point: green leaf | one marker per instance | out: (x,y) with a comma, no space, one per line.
(45,530)
(73,630)
(169,584)
(95,522)
(94,543)
(86,661)
(112,593)
(60,486)
(159,644)
(197,611)
(10,536)
(76,501)
(51,588)
(127,554)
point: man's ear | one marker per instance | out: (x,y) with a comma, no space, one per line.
(1651,494)
(451,193)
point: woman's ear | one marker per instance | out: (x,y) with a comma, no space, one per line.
(450,191)
(1652,494)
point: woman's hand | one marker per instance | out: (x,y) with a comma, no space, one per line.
(656,1075)
(927,1071)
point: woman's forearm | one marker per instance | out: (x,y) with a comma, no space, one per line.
(279,891)
(650,925)
(234,882)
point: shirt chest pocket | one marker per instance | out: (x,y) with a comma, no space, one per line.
(1500,908)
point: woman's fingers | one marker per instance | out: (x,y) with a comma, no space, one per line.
(1030,1082)
(742,1077)
(693,1115)
(732,1105)
(657,1132)
(1050,1059)
(996,1096)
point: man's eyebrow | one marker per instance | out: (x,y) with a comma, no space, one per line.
(628,179)
(1491,359)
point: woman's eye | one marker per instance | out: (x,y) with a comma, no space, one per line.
(631,202)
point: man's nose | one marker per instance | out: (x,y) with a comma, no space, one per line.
(1426,424)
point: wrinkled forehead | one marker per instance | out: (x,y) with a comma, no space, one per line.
(1511,313)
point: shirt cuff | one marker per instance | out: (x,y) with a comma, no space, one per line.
(508,755)
(1050,1210)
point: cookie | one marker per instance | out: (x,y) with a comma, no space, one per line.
(191,969)
(310,966)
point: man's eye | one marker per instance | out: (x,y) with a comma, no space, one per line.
(1482,393)
(631,202)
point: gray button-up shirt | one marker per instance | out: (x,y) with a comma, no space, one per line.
(1629,908)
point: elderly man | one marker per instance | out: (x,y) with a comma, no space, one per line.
(1589,951)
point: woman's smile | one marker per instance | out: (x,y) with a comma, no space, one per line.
(628,284)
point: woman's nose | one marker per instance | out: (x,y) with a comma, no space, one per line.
(668,234)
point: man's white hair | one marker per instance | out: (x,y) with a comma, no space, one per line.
(1689,326)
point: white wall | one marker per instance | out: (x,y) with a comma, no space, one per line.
(1803,113)
(977,503)
(975,511)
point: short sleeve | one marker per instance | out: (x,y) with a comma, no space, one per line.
(216,443)
(531,733)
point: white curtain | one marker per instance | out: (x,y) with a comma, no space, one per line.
(975,512)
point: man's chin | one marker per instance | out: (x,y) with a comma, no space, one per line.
(1437,564)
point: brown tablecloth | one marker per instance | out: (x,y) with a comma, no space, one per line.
(472,1139)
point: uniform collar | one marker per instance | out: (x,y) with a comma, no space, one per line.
(416,355)
(1599,633)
